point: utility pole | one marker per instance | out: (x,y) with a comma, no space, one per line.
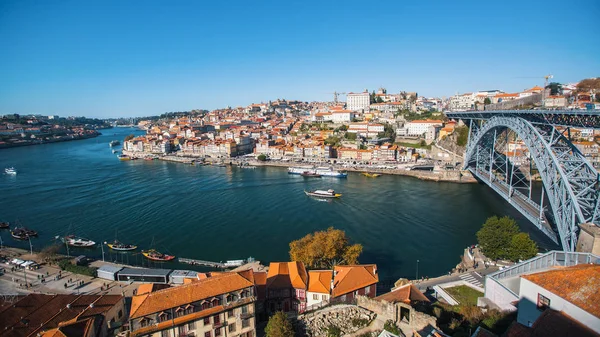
(30,246)
(102,246)
(417,275)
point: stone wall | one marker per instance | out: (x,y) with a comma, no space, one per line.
(393,311)
(315,324)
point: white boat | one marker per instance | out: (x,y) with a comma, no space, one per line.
(234,263)
(10,170)
(323,194)
(75,241)
(330,172)
(300,170)
(113,143)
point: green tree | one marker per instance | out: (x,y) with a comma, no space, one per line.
(555,88)
(463,135)
(333,331)
(522,247)
(495,237)
(332,140)
(262,157)
(279,326)
(350,136)
(487,101)
(324,249)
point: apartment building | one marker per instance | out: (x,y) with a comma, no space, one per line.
(222,304)
(421,127)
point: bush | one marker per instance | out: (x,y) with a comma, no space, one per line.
(392,327)
(261,157)
(463,135)
(471,313)
(360,322)
(82,270)
(333,331)
(279,326)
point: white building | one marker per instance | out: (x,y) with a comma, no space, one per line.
(358,101)
(342,116)
(319,285)
(366,129)
(420,127)
(462,101)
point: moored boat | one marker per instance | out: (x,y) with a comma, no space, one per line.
(323,194)
(123,157)
(4,224)
(22,233)
(76,241)
(114,142)
(330,172)
(154,255)
(10,170)
(116,245)
(371,175)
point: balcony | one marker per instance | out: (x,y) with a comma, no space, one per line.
(247,315)
(219,324)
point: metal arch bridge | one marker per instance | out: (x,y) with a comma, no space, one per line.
(571,185)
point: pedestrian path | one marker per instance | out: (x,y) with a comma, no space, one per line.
(473,277)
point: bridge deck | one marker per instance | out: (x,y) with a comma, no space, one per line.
(587,119)
(525,206)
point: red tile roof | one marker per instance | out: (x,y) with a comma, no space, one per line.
(350,278)
(319,281)
(287,275)
(577,284)
(406,294)
(172,297)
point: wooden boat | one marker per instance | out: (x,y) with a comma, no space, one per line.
(76,241)
(116,245)
(157,256)
(4,225)
(310,174)
(22,233)
(371,175)
(323,194)
(123,157)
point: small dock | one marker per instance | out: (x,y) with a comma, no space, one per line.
(202,263)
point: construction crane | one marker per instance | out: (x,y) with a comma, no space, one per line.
(335,96)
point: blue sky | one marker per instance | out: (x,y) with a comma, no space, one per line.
(136,58)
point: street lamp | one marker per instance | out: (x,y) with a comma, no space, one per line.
(30,246)
(417,275)
(102,246)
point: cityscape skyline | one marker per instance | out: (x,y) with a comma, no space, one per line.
(123,60)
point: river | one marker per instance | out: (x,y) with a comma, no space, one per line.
(220,213)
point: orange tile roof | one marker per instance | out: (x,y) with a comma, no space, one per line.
(287,274)
(406,294)
(319,281)
(577,284)
(188,293)
(350,278)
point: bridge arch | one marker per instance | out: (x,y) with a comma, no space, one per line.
(570,182)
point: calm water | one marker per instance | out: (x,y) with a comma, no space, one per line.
(215,213)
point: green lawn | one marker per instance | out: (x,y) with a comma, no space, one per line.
(464,295)
(414,145)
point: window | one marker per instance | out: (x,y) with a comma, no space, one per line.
(324,297)
(216,320)
(543,302)
(217,332)
(231,327)
(245,323)
(179,312)
(120,314)
(206,320)
(192,325)
(164,333)
(189,309)
(315,297)
(250,333)
(182,330)
(245,309)
(207,334)
(230,313)
(163,317)
(205,305)
(144,323)
(229,298)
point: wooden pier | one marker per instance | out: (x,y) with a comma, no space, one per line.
(202,263)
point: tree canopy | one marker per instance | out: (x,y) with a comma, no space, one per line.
(324,249)
(589,84)
(500,238)
(279,326)
(262,157)
(555,88)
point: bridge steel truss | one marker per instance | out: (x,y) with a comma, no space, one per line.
(571,183)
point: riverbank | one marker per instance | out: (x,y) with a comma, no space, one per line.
(5,145)
(455,176)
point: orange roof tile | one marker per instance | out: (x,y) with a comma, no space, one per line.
(406,294)
(350,278)
(286,275)
(188,293)
(577,284)
(319,281)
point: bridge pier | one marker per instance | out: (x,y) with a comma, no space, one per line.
(589,239)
